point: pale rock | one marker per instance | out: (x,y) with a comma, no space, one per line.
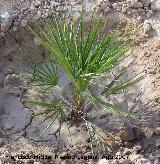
(103,6)
(134,4)
(37,3)
(103,161)
(137,148)
(5,156)
(36,42)
(15,16)
(54,4)
(32,7)
(6,24)
(59,8)
(24,23)
(134,156)
(129,12)
(98,2)
(143,161)
(147,26)
(23,9)
(115,5)
(124,8)
(149,13)
(134,11)
(38,15)
(139,19)
(107,9)
(155,5)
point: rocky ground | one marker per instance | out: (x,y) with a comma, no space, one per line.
(139,140)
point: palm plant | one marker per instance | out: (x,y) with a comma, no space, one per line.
(83,58)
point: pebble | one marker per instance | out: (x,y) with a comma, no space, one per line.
(38,15)
(134,4)
(155,5)
(36,42)
(54,4)
(103,161)
(37,3)
(147,26)
(149,13)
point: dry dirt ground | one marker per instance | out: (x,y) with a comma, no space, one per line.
(139,139)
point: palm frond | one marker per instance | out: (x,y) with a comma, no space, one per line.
(102,105)
(110,90)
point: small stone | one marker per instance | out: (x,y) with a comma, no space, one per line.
(59,8)
(37,3)
(14,16)
(147,26)
(139,19)
(103,161)
(115,5)
(54,4)
(24,23)
(134,4)
(37,162)
(106,10)
(149,13)
(38,15)
(155,5)
(137,148)
(36,42)
(6,24)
